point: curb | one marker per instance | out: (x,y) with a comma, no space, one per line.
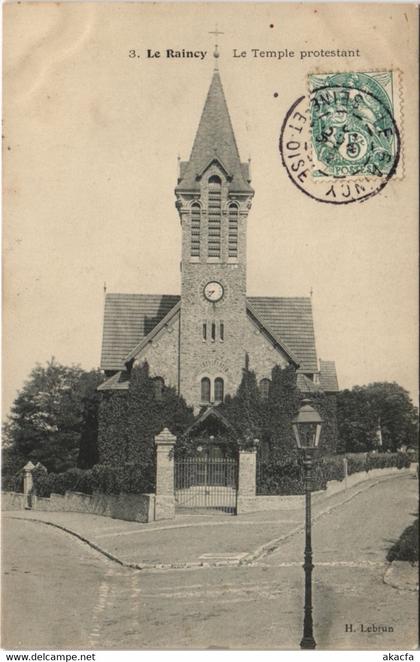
(127,564)
(252,557)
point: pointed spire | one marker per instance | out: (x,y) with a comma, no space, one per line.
(216,53)
(215,140)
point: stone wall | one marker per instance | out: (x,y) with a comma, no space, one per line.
(251,504)
(13,501)
(131,507)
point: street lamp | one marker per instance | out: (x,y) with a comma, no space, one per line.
(307,428)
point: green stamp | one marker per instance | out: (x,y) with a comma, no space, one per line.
(353,127)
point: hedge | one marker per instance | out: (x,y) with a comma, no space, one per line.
(12,483)
(406,548)
(128,479)
(275,478)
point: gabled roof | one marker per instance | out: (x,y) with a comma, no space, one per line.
(210,412)
(160,325)
(118,382)
(306,385)
(328,376)
(128,318)
(265,328)
(290,319)
(214,140)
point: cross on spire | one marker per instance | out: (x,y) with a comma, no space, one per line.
(216,53)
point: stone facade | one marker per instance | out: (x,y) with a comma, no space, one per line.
(162,354)
(199,337)
(218,357)
(204,348)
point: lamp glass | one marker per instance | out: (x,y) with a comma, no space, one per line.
(307,426)
(307,434)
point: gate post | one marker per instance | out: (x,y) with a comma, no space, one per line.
(165,493)
(247,478)
(28,483)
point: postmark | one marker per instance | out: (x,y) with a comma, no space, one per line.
(352,124)
(320,173)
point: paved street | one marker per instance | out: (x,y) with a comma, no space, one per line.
(59,593)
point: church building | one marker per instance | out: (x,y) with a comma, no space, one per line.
(200,341)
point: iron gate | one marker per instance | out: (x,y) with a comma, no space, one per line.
(206,482)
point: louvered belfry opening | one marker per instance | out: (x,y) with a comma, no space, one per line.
(195,229)
(214,216)
(233,230)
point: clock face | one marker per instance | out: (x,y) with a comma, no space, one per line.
(213,291)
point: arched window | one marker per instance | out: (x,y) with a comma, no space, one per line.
(219,389)
(195,229)
(213,331)
(158,385)
(214,216)
(205,389)
(233,217)
(222,331)
(265,388)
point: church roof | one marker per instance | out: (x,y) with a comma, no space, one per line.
(130,318)
(290,319)
(328,376)
(214,140)
(306,385)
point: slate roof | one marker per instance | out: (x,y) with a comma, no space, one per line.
(118,382)
(306,385)
(129,318)
(328,376)
(290,318)
(214,140)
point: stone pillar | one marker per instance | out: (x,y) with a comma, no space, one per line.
(247,478)
(165,466)
(28,483)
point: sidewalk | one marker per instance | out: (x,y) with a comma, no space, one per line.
(191,540)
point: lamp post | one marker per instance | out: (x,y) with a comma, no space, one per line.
(307,428)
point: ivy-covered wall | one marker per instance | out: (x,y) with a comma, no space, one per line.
(130,420)
(270,419)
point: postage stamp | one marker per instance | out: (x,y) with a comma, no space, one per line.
(353,119)
(341,142)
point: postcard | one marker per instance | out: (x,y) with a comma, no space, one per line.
(210,326)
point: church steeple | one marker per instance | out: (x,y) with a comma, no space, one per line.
(214,143)
(213,200)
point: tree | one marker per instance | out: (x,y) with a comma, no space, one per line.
(243,410)
(51,413)
(270,419)
(282,405)
(385,405)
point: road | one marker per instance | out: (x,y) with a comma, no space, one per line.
(59,593)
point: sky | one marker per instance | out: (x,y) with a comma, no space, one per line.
(91,139)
